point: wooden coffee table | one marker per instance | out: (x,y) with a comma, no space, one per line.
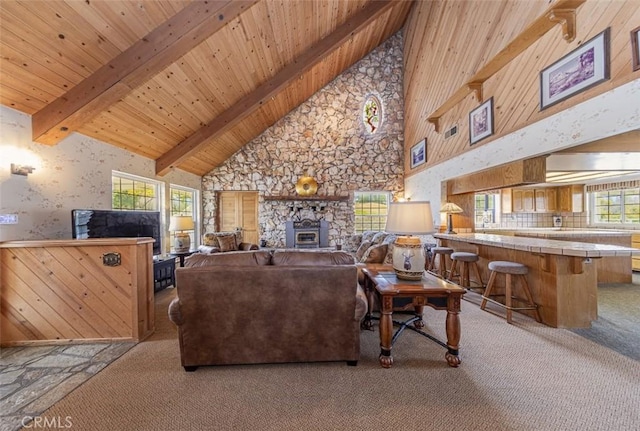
(431,291)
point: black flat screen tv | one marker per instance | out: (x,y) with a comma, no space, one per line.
(117,224)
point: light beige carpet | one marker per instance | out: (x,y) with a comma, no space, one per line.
(513,377)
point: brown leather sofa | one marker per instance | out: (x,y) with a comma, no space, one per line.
(268,307)
(220,242)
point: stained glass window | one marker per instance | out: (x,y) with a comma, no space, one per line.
(372,114)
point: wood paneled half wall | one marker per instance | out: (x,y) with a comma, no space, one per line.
(73,291)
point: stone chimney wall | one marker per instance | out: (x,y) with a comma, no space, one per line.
(324,138)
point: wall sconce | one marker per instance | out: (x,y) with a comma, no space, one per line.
(21,169)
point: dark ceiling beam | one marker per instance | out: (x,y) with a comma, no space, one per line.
(254,100)
(139,63)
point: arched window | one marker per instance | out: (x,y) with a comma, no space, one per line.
(372,114)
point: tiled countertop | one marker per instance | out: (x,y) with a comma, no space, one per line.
(541,245)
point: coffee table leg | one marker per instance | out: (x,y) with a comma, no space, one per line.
(367,323)
(453,337)
(386,329)
(418,310)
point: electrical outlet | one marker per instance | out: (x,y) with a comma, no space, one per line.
(8,218)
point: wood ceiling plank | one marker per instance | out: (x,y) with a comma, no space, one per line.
(144,59)
(254,100)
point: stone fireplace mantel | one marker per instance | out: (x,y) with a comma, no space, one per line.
(306,198)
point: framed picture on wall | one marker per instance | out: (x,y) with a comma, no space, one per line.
(481,122)
(577,71)
(635,48)
(419,153)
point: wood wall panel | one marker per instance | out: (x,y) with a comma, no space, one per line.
(61,292)
(436,66)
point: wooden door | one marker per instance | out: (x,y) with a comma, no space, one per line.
(239,210)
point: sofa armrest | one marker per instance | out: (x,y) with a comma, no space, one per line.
(246,246)
(207,249)
(174,312)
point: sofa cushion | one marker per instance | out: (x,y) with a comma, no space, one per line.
(375,254)
(210,240)
(233,258)
(368,235)
(362,250)
(227,242)
(379,237)
(388,241)
(311,258)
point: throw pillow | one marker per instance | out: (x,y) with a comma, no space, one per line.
(210,240)
(362,249)
(375,254)
(227,242)
(367,235)
(379,237)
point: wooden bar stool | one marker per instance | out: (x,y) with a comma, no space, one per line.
(510,269)
(467,260)
(440,254)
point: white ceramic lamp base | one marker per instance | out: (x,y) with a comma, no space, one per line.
(408,258)
(182,242)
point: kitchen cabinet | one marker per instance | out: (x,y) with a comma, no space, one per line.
(545,199)
(571,198)
(529,200)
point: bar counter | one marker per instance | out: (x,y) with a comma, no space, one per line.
(562,274)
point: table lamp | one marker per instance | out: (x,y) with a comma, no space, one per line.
(450,208)
(406,219)
(182,241)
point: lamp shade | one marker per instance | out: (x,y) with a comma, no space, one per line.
(450,208)
(179,223)
(410,218)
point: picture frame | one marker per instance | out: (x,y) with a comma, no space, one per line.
(581,69)
(419,153)
(635,48)
(481,122)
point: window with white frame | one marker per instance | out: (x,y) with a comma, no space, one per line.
(131,192)
(616,207)
(371,210)
(184,202)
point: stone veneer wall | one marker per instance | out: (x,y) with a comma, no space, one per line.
(324,137)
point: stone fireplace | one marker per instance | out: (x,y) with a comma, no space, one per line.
(324,138)
(307,233)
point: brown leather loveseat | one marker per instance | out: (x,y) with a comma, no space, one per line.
(268,307)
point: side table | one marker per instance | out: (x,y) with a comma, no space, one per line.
(181,256)
(430,291)
(163,273)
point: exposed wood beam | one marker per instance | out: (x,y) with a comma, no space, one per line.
(561,12)
(140,62)
(252,101)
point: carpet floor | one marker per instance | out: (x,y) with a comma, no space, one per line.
(524,376)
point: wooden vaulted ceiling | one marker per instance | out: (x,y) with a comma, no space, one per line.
(186,83)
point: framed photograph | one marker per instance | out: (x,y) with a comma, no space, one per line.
(582,68)
(419,153)
(481,122)
(635,48)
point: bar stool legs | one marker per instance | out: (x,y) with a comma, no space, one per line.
(510,269)
(466,260)
(441,254)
